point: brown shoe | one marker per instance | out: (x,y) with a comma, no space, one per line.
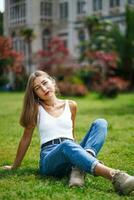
(123,183)
(76,177)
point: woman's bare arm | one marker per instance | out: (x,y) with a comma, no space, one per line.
(22,148)
(73,108)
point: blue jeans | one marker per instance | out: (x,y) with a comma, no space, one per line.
(57,159)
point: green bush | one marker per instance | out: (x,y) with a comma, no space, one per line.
(3,80)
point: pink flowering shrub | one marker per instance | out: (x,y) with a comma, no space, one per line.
(69,89)
(113,85)
(10,60)
(56,55)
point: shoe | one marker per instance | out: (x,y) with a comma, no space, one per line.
(76,177)
(122,182)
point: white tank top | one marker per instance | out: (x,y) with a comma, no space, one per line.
(50,127)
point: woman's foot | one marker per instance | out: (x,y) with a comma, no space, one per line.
(123,183)
(76,177)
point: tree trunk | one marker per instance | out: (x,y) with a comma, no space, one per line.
(29,57)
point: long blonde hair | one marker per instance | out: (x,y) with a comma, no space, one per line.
(29,113)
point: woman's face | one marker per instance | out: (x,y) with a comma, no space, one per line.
(44,87)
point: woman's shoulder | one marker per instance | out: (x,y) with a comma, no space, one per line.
(72,104)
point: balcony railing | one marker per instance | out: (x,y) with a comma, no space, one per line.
(97,13)
(114,11)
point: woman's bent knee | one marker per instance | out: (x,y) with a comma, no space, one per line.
(101,122)
(101,127)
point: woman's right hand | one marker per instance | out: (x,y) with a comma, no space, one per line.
(22,148)
(8,167)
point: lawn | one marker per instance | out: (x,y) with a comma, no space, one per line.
(118,151)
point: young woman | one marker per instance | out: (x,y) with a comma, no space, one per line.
(60,153)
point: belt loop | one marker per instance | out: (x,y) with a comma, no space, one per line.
(60,140)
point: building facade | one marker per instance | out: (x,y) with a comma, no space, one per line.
(62,18)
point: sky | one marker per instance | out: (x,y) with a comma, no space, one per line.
(1,5)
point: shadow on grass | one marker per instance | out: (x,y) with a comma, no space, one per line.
(26,172)
(19,172)
(95,185)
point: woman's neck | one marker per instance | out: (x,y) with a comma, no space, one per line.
(51,102)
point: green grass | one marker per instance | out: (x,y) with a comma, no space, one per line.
(118,151)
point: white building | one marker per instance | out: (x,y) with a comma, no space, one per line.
(61,18)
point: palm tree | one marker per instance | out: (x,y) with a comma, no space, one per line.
(91,22)
(125,46)
(1,23)
(128,61)
(98,36)
(28,35)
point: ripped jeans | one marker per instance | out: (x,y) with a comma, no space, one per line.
(58,159)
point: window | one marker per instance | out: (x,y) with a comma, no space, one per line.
(13,34)
(81,7)
(63,10)
(97,5)
(130,1)
(17,11)
(46,37)
(81,38)
(13,1)
(19,45)
(65,43)
(81,35)
(114,3)
(46,8)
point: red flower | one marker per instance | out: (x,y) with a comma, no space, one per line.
(56,54)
